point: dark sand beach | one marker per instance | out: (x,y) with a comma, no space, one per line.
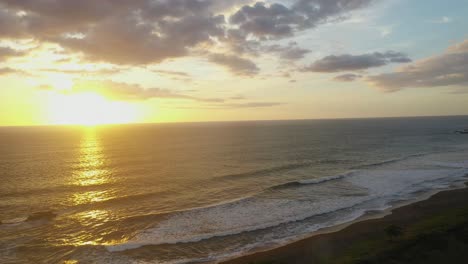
(434,230)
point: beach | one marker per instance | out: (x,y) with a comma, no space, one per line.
(429,227)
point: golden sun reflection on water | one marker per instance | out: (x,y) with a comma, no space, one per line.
(90,233)
(95,230)
(91,197)
(91,170)
(90,177)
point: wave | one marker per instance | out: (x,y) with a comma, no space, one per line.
(268,171)
(283,168)
(311,181)
(55,189)
(390,161)
(37,216)
(258,213)
(133,245)
(452,164)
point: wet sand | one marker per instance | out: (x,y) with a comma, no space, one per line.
(333,246)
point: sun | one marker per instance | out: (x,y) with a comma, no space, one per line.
(89,109)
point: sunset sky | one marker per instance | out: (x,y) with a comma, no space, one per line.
(120,61)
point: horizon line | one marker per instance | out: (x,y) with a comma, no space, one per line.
(229,121)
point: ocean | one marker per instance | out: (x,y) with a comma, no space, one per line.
(206,192)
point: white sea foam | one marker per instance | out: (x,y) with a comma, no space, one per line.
(383,185)
(324,179)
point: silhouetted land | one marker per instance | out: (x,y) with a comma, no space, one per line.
(430,231)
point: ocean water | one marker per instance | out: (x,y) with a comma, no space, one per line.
(205,192)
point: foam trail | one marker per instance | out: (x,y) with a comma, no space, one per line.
(294,209)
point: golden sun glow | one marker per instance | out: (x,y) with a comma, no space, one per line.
(89,109)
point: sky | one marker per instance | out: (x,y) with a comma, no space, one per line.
(148,61)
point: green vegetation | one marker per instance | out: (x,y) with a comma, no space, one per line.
(268,262)
(393,231)
(439,239)
(429,232)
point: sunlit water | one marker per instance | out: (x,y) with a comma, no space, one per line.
(205,192)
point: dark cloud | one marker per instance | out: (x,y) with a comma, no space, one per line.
(262,21)
(175,73)
(151,31)
(126,41)
(349,77)
(120,31)
(290,52)
(6,53)
(277,20)
(11,25)
(48,18)
(237,65)
(346,62)
(447,69)
(223,5)
(237,41)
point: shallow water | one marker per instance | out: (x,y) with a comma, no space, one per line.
(177,193)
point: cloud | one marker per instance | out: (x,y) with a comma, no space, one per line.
(10,24)
(239,43)
(349,77)
(260,20)
(6,53)
(235,105)
(346,62)
(83,71)
(459,90)
(6,71)
(128,92)
(253,104)
(237,97)
(109,41)
(290,52)
(134,92)
(174,73)
(120,31)
(277,21)
(237,65)
(151,31)
(447,69)
(459,47)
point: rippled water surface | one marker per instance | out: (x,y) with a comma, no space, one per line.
(175,193)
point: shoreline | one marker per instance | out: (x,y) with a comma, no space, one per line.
(308,249)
